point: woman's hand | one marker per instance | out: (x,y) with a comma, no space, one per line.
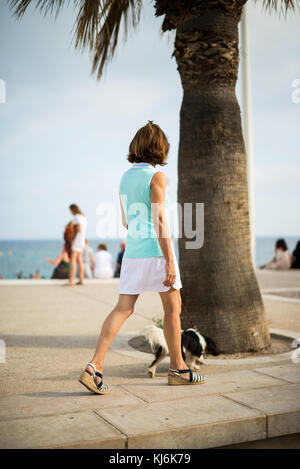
(170,274)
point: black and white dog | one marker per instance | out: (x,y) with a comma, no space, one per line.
(193,346)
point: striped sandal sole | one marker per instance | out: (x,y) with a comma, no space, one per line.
(89,383)
(178,381)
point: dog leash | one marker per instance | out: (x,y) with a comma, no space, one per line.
(189,317)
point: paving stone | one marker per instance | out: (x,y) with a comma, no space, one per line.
(281,405)
(157,389)
(187,423)
(290,373)
(83,429)
(33,405)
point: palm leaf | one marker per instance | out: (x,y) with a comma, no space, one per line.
(112,13)
(282,5)
(97,25)
(87,23)
(45,6)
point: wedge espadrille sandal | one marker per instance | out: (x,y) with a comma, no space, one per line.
(89,381)
(177,380)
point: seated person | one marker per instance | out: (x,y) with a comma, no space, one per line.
(282,259)
(119,260)
(103,263)
(296,257)
(88,260)
(61,264)
(37,275)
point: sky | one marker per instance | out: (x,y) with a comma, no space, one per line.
(64,136)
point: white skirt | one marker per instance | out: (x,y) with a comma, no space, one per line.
(145,274)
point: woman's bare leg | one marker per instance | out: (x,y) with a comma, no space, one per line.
(171,301)
(80,268)
(110,328)
(73,260)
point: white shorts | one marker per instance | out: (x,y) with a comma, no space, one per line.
(78,243)
(76,249)
(145,274)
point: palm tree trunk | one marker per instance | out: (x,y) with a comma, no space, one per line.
(220,289)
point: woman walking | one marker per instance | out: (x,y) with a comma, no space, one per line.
(149,262)
(77,245)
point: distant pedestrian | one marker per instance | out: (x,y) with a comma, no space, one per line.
(282,259)
(103,263)
(88,260)
(119,259)
(296,257)
(77,245)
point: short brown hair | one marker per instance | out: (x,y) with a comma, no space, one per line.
(149,145)
(102,246)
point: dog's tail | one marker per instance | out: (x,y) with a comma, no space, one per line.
(156,338)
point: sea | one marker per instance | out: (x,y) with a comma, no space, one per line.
(22,258)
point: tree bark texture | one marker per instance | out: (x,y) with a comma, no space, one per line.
(220,288)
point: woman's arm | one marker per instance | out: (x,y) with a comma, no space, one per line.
(92,260)
(158,190)
(56,261)
(124,221)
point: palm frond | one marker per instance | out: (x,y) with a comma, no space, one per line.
(87,23)
(97,24)
(45,6)
(112,14)
(283,6)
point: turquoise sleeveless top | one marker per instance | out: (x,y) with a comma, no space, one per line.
(135,196)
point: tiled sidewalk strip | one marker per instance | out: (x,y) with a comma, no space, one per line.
(81,429)
(249,406)
(187,423)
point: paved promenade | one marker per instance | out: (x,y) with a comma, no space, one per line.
(50,333)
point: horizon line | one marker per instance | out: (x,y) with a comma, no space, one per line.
(121,238)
